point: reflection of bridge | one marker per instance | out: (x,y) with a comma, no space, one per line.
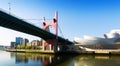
(12,22)
(45,59)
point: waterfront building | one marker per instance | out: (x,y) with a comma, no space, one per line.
(110,41)
(24,42)
(21,41)
(45,46)
(28,44)
(18,40)
(35,43)
(13,44)
(117,41)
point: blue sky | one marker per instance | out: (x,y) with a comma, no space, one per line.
(76,17)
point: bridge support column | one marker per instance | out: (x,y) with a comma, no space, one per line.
(53,23)
(50,47)
(55,48)
(43,47)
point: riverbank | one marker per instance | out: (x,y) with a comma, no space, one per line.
(104,52)
(40,51)
(30,51)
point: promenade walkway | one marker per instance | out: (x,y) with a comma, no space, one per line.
(101,51)
(31,51)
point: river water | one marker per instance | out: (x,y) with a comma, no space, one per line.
(30,59)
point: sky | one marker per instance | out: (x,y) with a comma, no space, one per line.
(76,18)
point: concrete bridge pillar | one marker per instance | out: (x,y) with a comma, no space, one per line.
(55,48)
(43,46)
(50,47)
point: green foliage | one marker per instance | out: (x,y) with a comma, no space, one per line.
(17,47)
(27,47)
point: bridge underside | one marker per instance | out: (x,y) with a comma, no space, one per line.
(11,22)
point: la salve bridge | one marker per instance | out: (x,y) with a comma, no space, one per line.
(14,23)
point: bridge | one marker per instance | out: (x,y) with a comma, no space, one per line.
(14,23)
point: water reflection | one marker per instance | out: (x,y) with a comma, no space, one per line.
(66,60)
(21,59)
(97,60)
(44,59)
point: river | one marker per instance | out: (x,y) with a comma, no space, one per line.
(32,59)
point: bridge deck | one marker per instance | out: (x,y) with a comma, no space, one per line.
(12,22)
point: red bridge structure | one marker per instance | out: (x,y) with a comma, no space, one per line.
(54,23)
(49,39)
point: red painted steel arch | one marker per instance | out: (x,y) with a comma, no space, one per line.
(53,23)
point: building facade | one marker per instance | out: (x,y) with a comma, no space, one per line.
(13,44)
(18,40)
(24,42)
(35,43)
